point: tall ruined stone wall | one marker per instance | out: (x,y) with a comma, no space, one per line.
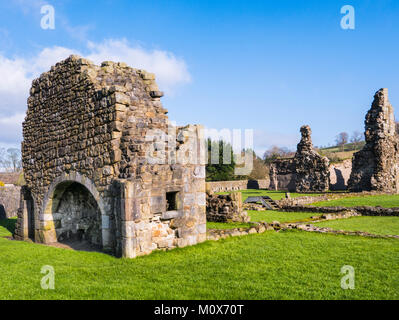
(306,172)
(105,128)
(312,173)
(376,166)
(283,175)
(340,174)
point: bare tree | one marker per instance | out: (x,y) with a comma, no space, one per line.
(10,160)
(356,138)
(342,140)
(260,170)
(276,152)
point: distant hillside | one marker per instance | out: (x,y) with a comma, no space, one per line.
(339,153)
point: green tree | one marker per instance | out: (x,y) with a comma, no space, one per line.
(221,162)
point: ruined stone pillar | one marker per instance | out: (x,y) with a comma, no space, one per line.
(376,166)
(312,170)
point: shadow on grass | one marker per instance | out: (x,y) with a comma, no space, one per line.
(9,224)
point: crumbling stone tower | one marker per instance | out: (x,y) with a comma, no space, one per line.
(103,165)
(376,166)
(306,172)
(311,169)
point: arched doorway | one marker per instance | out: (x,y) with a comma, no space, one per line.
(73,214)
(77,216)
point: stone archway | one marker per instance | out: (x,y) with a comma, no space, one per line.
(76,215)
(73,213)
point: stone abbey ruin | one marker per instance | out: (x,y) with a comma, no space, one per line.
(90,163)
(307,171)
(374,168)
(103,165)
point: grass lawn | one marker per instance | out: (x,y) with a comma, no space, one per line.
(275,195)
(7,227)
(284,265)
(270,216)
(375,225)
(386,201)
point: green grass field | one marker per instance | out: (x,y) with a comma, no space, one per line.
(386,201)
(264,216)
(374,225)
(284,265)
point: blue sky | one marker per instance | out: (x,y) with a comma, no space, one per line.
(270,66)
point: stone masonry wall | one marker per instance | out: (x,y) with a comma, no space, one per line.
(283,175)
(306,172)
(104,127)
(376,166)
(312,173)
(226,208)
(340,174)
(9,201)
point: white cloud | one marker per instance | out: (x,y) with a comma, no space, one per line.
(18,73)
(14,88)
(10,129)
(170,71)
(47,58)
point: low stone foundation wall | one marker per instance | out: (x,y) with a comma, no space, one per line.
(364,210)
(303,200)
(217,234)
(9,201)
(313,228)
(261,227)
(324,197)
(225,186)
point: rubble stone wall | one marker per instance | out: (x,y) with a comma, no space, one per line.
(340,174)
(306,172)
(9,201)
(312,173)
(376,166)
(226,208)
(104,127)
(283,175)
(306,200)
